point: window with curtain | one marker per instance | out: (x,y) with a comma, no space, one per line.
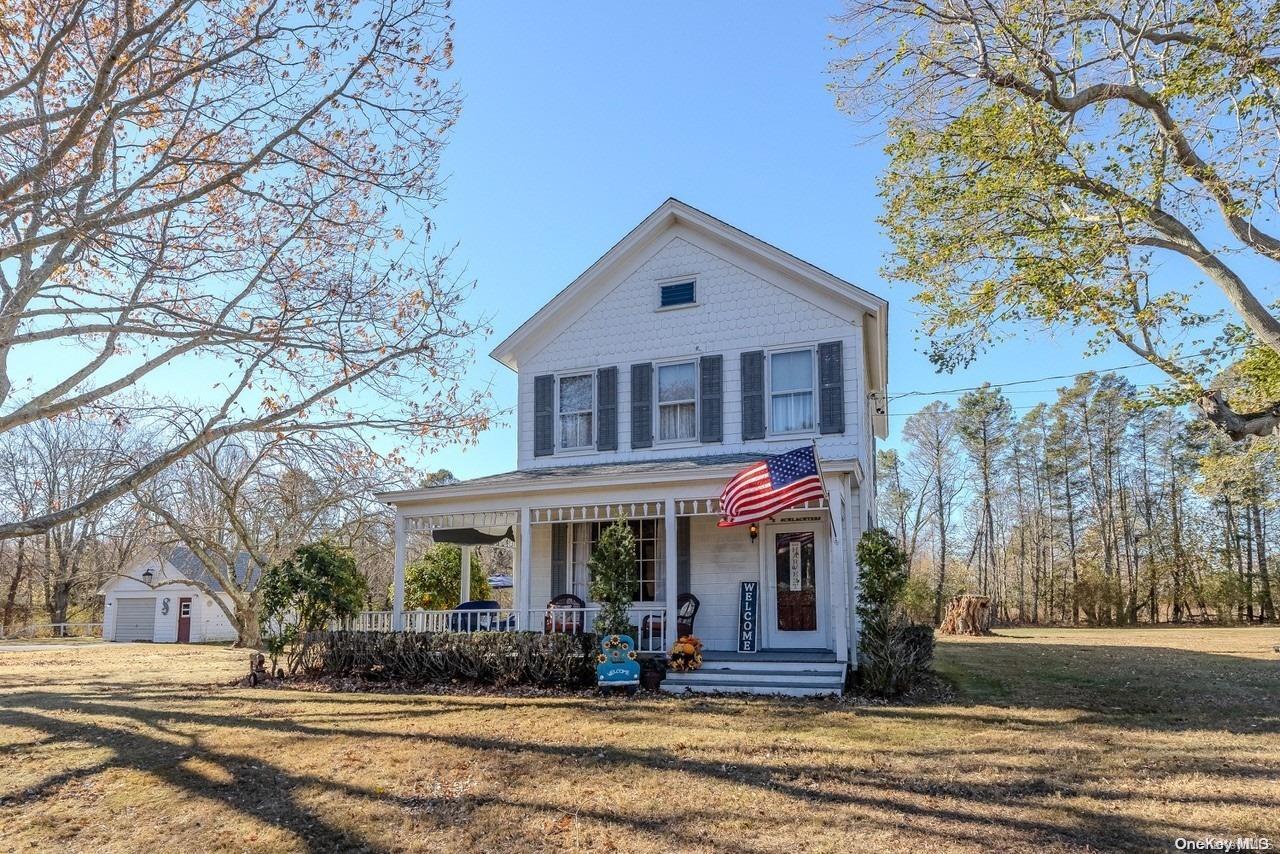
(677,402)
(648,581)
(791,391)
(577,406)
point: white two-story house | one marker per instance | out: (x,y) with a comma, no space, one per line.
(687,352)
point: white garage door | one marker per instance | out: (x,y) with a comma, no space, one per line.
(136,619)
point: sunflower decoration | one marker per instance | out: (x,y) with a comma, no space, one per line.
(686,654)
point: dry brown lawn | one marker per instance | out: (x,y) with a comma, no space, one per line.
(1060,739)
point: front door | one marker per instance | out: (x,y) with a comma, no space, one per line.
(184,620)
(795,569)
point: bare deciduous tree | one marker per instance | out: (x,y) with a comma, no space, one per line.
(242,504)
(229,200)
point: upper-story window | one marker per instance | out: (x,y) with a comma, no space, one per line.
(677,402)
(678,293)
(791,391)
(576,403)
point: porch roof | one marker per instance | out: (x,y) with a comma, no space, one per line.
(569,476)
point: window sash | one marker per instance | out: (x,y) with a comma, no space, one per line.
(677,401)
(791,392)
(576,421)
(791,412)
(677,421)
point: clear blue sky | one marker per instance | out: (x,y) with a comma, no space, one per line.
(580,118)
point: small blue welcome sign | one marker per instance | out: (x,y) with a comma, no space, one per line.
(617,665)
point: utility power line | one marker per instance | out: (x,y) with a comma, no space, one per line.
(940,392)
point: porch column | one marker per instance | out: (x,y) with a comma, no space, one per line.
(670,570)
(465,586)
(524,574)
(397,577)
(841,555)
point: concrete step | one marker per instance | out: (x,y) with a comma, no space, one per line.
(796,688)
(764,677)
(773,666)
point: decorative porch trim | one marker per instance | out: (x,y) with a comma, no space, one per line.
(711,506)
(596,512)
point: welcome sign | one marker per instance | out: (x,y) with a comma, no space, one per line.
(748,608)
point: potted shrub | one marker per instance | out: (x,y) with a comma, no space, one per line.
(652,671)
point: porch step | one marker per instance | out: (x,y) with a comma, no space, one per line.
(789,678)
(772,666)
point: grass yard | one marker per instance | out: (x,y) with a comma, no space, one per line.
(1059,739)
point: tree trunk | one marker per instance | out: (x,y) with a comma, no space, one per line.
(1071,547)
(248,629)
(942,554)
(1264,581)
(1248,566)
(6,622)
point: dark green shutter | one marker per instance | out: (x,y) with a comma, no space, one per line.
(559,558)
(607,409)
(831,387)
(753,395)
(682,554)
(544,415)
(642,405)
(711,398)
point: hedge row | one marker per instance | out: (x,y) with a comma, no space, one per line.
(485,658)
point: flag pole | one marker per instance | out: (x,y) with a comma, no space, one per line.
(817,462)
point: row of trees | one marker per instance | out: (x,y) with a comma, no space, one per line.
(1098,507)
(264,495)
(217,284)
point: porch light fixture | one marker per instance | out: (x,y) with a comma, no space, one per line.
(754,531)
(147,576)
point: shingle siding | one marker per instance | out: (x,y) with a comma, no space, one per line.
(736,311)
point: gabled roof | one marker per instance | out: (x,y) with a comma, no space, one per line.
(583,291)
(181,558)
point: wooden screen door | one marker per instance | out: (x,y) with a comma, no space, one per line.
(795,558)
(184,620)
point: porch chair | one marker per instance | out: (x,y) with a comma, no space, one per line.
(466,619)
(652,627)
(572,619)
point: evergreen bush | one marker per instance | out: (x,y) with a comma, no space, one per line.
(499,659)
(892,652)
(613,565)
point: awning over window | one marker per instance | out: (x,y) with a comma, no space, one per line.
(472,536)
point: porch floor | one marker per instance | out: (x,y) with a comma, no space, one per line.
(800,655)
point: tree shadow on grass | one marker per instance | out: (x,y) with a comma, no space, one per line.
(1025,803)
(876,794)
(1152,688)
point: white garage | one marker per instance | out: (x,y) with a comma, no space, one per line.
(168,598)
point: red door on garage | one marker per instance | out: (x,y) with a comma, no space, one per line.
(184,620)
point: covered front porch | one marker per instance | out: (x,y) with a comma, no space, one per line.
(690,574)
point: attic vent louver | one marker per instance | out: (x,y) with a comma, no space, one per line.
(681,293)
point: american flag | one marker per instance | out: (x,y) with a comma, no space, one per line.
(773,484)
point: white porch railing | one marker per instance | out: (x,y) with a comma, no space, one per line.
(648,621)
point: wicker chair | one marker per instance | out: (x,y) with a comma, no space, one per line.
(565,615)
(652,628)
